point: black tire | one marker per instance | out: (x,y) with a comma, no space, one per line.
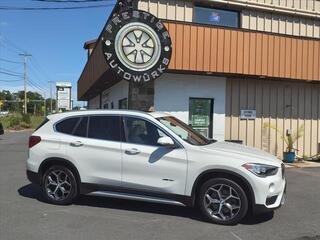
(210,207)
(71,191)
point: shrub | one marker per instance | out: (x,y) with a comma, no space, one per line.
(14,121)
(26,118)
(24,125)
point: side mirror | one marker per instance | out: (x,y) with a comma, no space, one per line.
(1,129)
(165,141)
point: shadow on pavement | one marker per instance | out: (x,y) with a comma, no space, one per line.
(33,191)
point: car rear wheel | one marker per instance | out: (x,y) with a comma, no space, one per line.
(222,201)
(59,185)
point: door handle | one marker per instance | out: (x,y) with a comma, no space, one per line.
(132,151)
(76,144)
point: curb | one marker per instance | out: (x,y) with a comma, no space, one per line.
(304,164)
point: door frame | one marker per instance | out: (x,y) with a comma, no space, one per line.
(210,115)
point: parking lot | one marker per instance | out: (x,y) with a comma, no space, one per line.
(24,216)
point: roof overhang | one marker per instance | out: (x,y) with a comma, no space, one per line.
(217,50)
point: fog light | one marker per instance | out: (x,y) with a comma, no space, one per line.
(272,188)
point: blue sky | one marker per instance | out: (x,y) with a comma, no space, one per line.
(54,38)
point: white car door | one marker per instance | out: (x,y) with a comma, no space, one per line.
(95,147)
(147,166)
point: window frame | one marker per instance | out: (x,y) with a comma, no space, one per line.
(64,119)
(177,144)
(218,8)
(104,115)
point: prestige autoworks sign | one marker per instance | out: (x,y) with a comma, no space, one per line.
(136,45)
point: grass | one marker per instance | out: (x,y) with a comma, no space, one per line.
(35,121)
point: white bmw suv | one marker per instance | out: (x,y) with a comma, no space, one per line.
(151,157)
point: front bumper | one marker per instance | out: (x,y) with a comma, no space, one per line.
(264,208)
(269,192)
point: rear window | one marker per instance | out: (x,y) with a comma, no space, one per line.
(67,126)
(104,128)
(81,129)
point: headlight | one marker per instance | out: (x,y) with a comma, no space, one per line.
(261,170)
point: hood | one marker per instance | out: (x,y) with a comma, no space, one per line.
(242,152)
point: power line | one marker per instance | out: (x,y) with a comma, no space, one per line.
(9,71)
(10,80)
(10,74)
(35,61)
(37,78)
(32,84)
(36,85)
(12,45)
(8,8)
(9,61)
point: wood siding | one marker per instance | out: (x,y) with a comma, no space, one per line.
(235,51)
(283,24)
(178,10)
(312,6)
(284,105)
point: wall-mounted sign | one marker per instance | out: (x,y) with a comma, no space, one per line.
(64,95)
(136,45)
(248,114)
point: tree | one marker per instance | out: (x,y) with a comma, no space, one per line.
(15,101)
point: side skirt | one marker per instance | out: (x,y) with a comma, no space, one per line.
(131,194)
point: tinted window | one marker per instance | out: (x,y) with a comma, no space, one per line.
(67,126)
(81,130)
(104,127)
(140,131)
(217,17)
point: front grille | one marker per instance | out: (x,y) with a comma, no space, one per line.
(283,170)
(271,200)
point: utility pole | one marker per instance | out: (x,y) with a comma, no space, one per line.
(25,77)
(50,82)
(45,107)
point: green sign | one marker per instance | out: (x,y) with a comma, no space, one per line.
(200,112)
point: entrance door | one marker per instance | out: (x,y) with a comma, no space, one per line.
(201,115)
(147,166)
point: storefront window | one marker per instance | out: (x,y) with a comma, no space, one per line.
(219,17)
(123,103)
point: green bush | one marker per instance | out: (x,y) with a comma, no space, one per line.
(26,118)
(24,125)
(14,121)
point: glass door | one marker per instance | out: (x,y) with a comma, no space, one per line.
(201,115)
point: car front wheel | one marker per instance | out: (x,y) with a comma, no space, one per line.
(59,185)
(222,201)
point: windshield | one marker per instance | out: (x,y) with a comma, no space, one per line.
(184,131)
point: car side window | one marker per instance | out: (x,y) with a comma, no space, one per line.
(67,126)
(81,129)
(104,128)
(140,131)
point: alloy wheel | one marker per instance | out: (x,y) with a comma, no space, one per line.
(58,185)
(222,202)
(138,46)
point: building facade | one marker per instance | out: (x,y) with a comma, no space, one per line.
(242,65)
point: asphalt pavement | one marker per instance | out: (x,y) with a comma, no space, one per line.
(23,215)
